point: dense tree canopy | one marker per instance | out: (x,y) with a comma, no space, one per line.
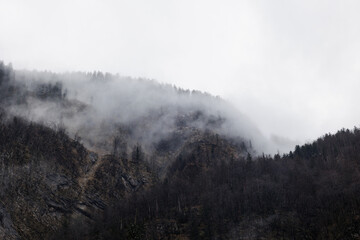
(313,193)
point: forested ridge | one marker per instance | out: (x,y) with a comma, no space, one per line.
(169,171)
(311,193)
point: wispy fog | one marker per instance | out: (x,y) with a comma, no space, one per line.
(97,107)
(292,67)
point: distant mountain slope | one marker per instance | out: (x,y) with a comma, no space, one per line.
(98,107)
(113,114)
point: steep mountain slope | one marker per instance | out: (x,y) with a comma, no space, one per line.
(98,108)
(312,193)
(50,180)
(39,172)
(94,156)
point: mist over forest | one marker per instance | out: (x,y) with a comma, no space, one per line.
(98,105)
(102,156)
(179,120)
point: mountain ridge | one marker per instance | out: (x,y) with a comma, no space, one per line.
(103,159)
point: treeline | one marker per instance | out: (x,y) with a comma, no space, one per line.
(49,86)
(311,193)
(13,91)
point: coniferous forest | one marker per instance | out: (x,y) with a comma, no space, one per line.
(72,167)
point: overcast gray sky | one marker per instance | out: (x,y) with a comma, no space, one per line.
(293,67)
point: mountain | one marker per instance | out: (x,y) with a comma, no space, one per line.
(69,152)
(104,110)
(101,156)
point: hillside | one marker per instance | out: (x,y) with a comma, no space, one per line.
(101,156)
(114,113)
(48,179)
(312,193)
(62,163)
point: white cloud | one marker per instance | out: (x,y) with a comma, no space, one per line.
(291,66)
